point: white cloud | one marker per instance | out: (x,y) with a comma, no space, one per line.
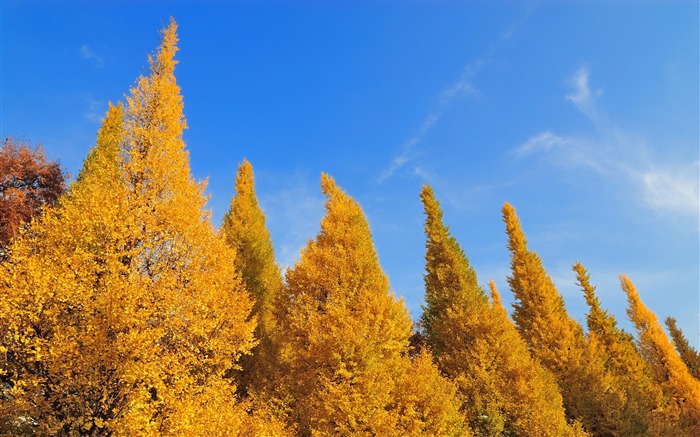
(583,98)
(543,141)
(423,174)
(408,152)
(91,55)
(624,158)
(673,189)
(293,209)
(95,111)
(463,86)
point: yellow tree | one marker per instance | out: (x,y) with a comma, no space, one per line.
(688,354)
(646,411)
(52,382)
(245,231)
(502,389)
(668,368)
(122,310)
(346,370)
(558,341)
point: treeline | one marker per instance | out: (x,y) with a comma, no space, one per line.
(123,311)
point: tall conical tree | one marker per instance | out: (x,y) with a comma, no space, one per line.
(347,338)
(668,368)
(58,314)
(646,411)
(134,312)
(503,390)
(558,341)
(245,230)
(688,354)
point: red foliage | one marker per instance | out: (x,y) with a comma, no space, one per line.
(27,182)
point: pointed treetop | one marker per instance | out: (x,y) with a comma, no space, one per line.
(328,185)
(670,370)
(638,313)
(598,319)
(155,107)
(432,206)
(516,237)
(450,281)
(536,296)
(345,224)
(583,281)
(688,354)
(496,296)
(245,182)
(104,157)
(165,56)
(346,335)
(245,230)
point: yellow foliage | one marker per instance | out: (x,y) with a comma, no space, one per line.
(667,366)
(427,402)
(344,352)
(245,231)
(557,341)
(690,356)
(503,391)
(646,410)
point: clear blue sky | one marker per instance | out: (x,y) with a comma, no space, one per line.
(584,116)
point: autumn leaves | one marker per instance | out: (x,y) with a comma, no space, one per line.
(124,312)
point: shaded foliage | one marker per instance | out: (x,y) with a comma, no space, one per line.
(688,354)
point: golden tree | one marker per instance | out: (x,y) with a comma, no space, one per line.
(502,389)
(346,370)
(646,410)
(62,375)
(122,311)
(245,231)
(558,341)
(667,366)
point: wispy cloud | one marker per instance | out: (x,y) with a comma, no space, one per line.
(543,141)
(95,110)
(625,158)
(583,98)
(294,209)
(89,54)
(462,87)
(408,148)
(673,188)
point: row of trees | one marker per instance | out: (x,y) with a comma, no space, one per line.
(123,311)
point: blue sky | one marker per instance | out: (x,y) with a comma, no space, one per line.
(584,116)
